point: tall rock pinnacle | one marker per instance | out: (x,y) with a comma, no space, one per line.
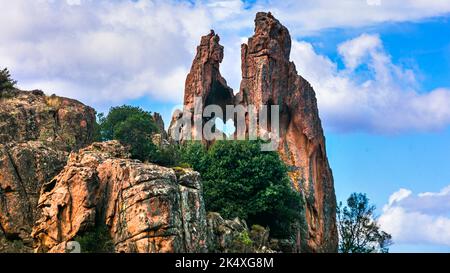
(204,81)
(270,78)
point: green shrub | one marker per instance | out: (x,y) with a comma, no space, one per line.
(96,241)
(242,243)
(240,180)
(193,154)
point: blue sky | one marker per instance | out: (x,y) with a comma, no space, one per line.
(380,74)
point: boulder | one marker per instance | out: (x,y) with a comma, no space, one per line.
(36,134)
(146,208)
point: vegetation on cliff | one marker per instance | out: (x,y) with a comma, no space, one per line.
(6,81)
(96,241)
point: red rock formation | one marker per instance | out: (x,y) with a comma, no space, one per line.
(24,168)
(146,208)
(36,131)
(269,78)
(204,81)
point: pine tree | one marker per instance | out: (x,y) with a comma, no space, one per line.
(5,80)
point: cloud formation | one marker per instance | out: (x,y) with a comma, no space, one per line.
(371,93)
(418,219)
(101,50)
(106,52)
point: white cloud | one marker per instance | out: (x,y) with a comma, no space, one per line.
(103,50)
(313,15)
(355,50)
(418,219)
(384,98)
(74,2)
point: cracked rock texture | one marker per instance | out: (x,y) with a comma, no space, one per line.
(146,208)
(36,134)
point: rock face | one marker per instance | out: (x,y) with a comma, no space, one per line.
(146,208)
(270,78)
(36,133)
(160,125)
(48,197)
(24,168)
(59,122)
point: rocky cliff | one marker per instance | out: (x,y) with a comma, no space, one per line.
(146,208)
(36,134)
(270,78)
(62,123)
(54,190)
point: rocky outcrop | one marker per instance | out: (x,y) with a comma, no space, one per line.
(157,118)
(62,123)
(146,208)
(49,198)
(36,133)
(222,234)
(270,78)
(233,236)
(24,168)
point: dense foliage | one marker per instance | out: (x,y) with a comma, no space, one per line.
(132,126)
(6,81)
(242,181)
(358,229)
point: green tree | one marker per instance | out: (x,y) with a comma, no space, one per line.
(6,81)
(194,154)
(242,181)
(358,229)
(132,126)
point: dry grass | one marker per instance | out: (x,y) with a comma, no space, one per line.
(53,101)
